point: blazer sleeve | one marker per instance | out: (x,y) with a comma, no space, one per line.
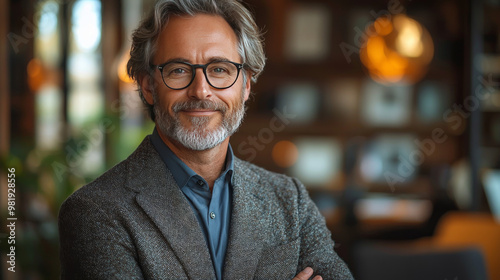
(317,246)
(93,244)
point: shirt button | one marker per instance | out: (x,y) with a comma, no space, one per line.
(200,182)
(212,215)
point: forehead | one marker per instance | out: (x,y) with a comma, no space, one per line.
(196,38)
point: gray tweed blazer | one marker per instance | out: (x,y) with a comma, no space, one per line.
(134,222)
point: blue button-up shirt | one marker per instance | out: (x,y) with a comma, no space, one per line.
(212,209)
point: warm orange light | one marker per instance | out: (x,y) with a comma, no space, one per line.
(36,74)
(122,68)
(375,48)
(383,26)
(408,41)
(285,154)
(399,51)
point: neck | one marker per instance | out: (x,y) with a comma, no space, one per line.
(209,164)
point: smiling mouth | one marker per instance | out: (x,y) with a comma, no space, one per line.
(199,112)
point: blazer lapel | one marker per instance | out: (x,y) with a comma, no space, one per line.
(165,204)
(245,237)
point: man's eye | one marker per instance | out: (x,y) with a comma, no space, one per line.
(178,71)
(219,71)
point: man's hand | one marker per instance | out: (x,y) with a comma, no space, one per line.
(305,274)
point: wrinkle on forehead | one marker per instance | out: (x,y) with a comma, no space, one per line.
(197,39)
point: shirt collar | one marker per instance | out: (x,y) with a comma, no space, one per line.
(180,171)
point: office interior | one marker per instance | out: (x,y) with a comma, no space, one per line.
(387,110)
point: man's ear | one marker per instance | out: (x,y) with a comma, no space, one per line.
(146,88)
(248,85)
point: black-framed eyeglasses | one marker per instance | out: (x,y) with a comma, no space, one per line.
(179,75)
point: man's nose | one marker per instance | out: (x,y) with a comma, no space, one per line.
(199,88)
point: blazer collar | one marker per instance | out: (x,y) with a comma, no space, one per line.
(162,200)
(245,236)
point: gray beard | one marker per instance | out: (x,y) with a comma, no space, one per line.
(199,137)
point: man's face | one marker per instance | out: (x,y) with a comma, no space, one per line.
(199,117)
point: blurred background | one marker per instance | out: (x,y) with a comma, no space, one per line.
(387,110)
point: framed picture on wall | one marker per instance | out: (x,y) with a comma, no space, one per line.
(383,105)
(307,33)
(389,159)
(319,162)
(301,100)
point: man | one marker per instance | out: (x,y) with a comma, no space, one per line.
(182,206)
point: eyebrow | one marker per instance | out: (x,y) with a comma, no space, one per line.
(210,60)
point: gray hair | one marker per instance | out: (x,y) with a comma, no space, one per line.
(145,37)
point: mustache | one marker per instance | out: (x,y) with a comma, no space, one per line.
(199,104)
